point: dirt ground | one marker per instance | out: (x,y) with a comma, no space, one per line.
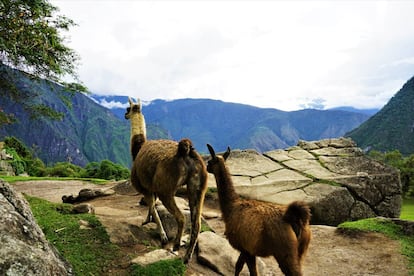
(331,252)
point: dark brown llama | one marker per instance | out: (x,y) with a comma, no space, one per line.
(258,228)
(159,168)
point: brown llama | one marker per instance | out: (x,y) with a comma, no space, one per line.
(159,168)
(257,228)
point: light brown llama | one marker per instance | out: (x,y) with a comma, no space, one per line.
(159,168)
(257,228)
(138,127)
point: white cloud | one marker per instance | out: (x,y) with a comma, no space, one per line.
(281,54)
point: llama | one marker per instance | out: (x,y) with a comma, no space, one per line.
(138,127)
(159,168)
(258,228)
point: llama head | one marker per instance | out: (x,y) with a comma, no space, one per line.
(213,163)
(133,108)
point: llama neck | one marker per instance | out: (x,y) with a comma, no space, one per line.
(226,192)
(138,125)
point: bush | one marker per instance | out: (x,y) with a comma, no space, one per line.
(64,169)
(105,170)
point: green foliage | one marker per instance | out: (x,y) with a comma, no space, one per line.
(407,209)
(18,146)
(18,164)
(32,40)
(173,267)
(90,252)
(105,170)
(388,228)
(64,169)
(392,127)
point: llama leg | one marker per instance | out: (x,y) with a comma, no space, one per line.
(171,206)
(152,211)
(251,263)
(289,264)
(196,189)
(240,263)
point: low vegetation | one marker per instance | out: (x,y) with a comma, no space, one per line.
(89,251)
(388,228)
(24,162)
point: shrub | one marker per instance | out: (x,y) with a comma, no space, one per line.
(64,169)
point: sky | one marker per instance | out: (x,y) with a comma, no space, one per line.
(279,54)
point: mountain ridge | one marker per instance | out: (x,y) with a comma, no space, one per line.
(392,127)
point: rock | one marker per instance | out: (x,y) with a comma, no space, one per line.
(83,209)
(168,220)
(86,194)
(216,253)
(154,256)
(333,175)
(24,249)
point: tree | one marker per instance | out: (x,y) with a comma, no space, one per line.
(31,41)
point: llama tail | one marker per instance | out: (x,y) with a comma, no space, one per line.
(298,215)
(185,147)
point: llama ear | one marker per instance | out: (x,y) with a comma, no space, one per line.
(211,150)
(139,104)
(130,101)
(227,153)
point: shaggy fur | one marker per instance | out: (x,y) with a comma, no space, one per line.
(160,167)
(258,228)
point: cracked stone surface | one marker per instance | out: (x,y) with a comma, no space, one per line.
(333,175)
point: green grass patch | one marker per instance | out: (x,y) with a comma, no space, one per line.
(173,267)
(407,209)
(88,250)
(389,229)
(12,179)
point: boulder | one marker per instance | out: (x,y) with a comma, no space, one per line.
(24,249)
(333,175)
(216,253)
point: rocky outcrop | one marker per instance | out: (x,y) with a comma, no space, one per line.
(334,176)
(5,167)
(24,249)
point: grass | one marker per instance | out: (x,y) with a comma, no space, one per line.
(173,267)
(89,251)
(407,209)
(388,228)
(12,179)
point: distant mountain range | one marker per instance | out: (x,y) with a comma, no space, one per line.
(392,127)
(239,126)
(91,132)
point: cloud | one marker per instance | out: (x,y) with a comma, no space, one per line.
(280,54)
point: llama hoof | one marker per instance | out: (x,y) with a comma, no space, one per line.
(186,258)
(176,247)
(164,239)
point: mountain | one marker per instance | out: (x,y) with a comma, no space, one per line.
(88,132)
(370,111)
(241,126)
(392,127)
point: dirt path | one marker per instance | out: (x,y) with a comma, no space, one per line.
(330,253)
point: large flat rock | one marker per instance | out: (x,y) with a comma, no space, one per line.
(333,175)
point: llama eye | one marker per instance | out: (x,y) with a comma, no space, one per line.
(128,109)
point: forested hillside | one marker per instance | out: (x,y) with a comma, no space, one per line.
(392,128)
(88,132)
